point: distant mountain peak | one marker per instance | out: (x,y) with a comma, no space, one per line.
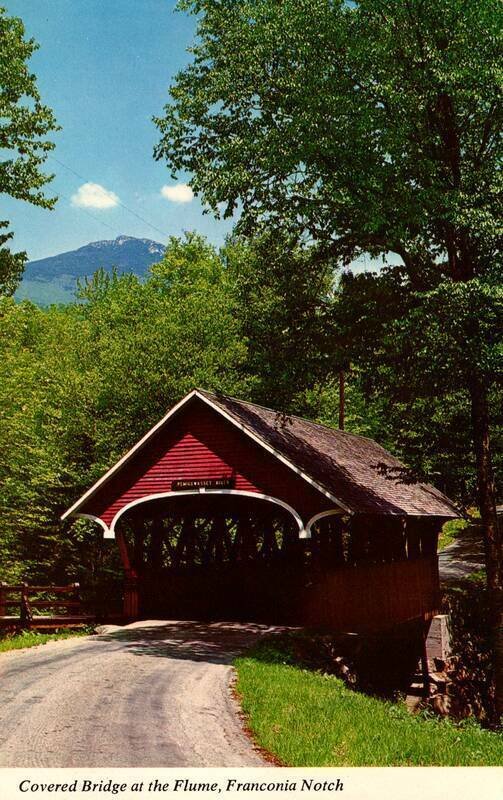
(122,239)
(125,253)
(118,242)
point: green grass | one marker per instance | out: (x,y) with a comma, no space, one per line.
(19,641)
(309,719)
(450,532)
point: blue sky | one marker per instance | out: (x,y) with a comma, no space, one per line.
(104,67)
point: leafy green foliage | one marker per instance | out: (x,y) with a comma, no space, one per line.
(24,123)
(11,264)
(417,351)
(283,298)
(451,531)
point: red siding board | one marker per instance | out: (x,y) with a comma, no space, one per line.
(201,444)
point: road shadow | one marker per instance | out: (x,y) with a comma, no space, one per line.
(381,664)
(210,642)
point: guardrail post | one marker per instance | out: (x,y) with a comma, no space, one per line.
(78,599)
(3,608)
(25,615)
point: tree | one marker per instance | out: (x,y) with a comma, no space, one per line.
(282,301)
(416,353)
(371,127)
(24,124)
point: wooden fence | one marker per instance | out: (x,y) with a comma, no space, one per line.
(40,607)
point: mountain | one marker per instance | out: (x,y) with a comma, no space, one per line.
(53,280)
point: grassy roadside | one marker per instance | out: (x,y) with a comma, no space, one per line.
(20,641)
(307,718)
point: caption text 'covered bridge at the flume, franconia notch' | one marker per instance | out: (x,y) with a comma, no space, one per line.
(228,510)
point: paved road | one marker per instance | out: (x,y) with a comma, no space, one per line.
(154,694)
(462,557)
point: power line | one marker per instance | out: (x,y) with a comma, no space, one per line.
(122,205)
(97,219)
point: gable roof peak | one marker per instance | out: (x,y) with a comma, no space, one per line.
(354,472)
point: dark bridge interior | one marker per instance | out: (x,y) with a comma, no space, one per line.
(225,557)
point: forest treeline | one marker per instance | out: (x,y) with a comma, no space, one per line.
(258,319)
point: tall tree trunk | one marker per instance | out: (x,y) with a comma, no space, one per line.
(492,534)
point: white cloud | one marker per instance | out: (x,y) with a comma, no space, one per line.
(92,195)
(178,193)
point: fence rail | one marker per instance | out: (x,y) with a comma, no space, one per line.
(28,602)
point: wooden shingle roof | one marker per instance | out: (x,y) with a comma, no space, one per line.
(357,470)
(354,472)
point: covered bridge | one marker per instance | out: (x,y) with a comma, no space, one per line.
(228,510)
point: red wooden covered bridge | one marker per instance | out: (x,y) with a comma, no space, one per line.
(228,510)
